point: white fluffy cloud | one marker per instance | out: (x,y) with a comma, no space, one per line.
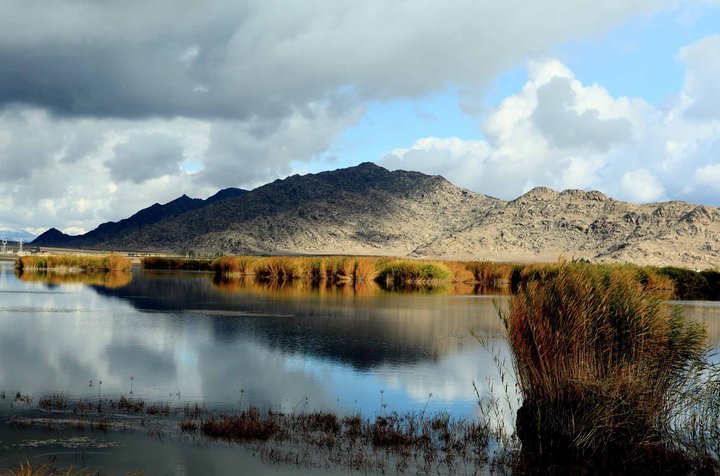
(105,108)
(561,133)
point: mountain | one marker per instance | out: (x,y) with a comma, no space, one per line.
(15,235)
(369,210)
(109,231)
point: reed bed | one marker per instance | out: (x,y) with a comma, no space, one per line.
(411,271)
(178,264)
(327,269)
(650,278)
(490,276)
(601,364)
(74,262)
(413,442)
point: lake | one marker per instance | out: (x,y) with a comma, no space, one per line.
(183,337)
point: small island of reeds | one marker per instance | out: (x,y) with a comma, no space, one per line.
(74,263)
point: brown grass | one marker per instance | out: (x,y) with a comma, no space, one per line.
(249,425)
(599,360)
(490,274)
(27,469)
(117,263)
(74,262)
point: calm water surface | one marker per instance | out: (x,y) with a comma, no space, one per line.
(185,337)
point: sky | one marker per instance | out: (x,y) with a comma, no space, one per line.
(108,107)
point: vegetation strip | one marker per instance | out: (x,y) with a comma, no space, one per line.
(671,282)
(74,262)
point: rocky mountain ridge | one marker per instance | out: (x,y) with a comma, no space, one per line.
(108,231)
(369,210)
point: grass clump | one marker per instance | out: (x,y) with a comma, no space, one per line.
(248,425)
(490,275)
(74,262)
(278,268)
(600,362)
(47,469)
(117,263)
(233,265)
(400,272)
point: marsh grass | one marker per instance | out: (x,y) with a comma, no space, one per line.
(179,264)
(410,442)
(74,262)
(490,274)
(233,265)
(354,442)
(600,362)
(400,272)
(27,468)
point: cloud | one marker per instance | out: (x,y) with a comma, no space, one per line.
(145,156)
(241,59)
(642,186)
(257,152)
(700,91)
(554,132)
(561,133)
(708,176)
(105,109)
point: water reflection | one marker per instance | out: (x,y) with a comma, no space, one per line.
(362,326)
(112,279)
(283,346)
(189,336)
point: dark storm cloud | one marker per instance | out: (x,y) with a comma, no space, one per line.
(233,59)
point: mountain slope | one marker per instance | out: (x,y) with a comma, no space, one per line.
(15,235)
(370,210)
(109,231)
(363,209)
(543,224)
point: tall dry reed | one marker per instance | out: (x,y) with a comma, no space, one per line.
(599,360)
(75,262)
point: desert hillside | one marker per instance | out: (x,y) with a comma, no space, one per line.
(369,210)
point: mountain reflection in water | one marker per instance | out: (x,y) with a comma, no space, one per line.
(188,336)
